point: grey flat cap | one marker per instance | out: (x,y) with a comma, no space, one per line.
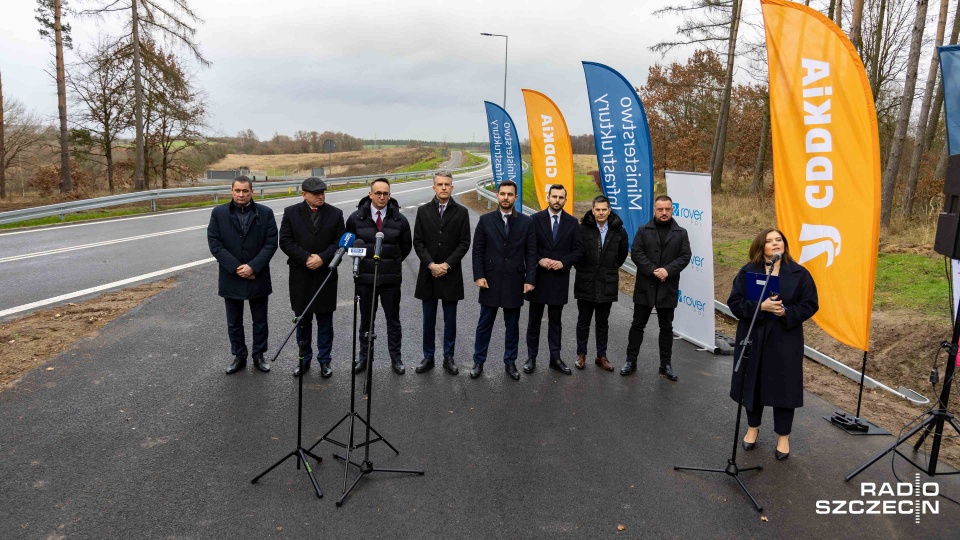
(313,185)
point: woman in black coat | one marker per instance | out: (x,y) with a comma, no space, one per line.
(774,367)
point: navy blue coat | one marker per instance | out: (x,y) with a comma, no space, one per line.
(299,239)
(553,285)
(441,241)
(648,255)
(507,263)
(232,248)
(598,271)
(397,242)
(777,344)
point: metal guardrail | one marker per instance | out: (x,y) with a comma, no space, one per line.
(813,354)
(62,209)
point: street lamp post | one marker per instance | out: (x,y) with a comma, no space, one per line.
(506,49)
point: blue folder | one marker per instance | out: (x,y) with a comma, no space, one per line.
(755,283)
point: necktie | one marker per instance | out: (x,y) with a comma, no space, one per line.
(442,208)
(379,222)
(556,225)
(506,224)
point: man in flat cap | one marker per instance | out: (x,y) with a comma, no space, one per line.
(309,233)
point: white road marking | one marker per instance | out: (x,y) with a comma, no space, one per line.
(99,288)
(97,244)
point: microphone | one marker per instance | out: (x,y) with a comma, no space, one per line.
(776,257)
(357,252)
(346,241)
(378,246)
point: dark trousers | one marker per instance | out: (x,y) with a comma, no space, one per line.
(641,314)
(553,329)
(389,297)
(585,311)
(430,327)
(258,312)
(511,323)
(782,419)
(324,337)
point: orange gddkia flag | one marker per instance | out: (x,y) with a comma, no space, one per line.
(550,153)
(826,163)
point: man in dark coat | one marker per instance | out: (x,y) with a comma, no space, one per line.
(559,247)
(309,234)
(505,268)
(376,213)
(242,236)
(441,238)
(597,285)
(661,249)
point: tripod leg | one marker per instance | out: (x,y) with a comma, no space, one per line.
(923,437)
(410,471)
(922,425)
(347,492)
(274,466)
(329,431)
(379,436)
(698,469)
(306,465)
(747,491)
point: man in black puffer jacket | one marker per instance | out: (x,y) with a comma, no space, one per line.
(375,213)
(597,284)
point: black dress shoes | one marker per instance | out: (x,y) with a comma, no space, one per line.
(325,370)
(450,365)
(239,363)
(560,366)
(425,365)
(780,455)
(511,370)
(748,446)
(261,364)
(629,367)
(398,367)
(530,365)
(301,369)
(359,366)
(476,371)
(667,371)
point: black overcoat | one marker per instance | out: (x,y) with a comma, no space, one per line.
(553,286)
(598,272)
(299,239)
(506,262)
(441,241)
(647,254)
(397,242)
(232,248)
(776,354)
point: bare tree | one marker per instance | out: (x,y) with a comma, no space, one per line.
(21,131)
(877,40)
(720,137)
(172,20)
(760,167)
(856,26)
(903,119)
(3,150)
(924,124)
(101,89)
(50,17)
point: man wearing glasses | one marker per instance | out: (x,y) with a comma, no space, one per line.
(377,213)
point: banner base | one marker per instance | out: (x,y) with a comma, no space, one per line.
(853,425)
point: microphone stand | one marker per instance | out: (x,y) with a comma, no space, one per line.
(732,469)
(300,452)
(366,467)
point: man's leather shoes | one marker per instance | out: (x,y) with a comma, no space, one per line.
(629,367)
(359,366)
(667,371)
(560,366)
(261,364)
(325,370)
(301,369)
(530,365)
(581,361)
(425,365)
(511,370)
(450,365)
(398,367)
(477,370)
(603,363)
(238,364)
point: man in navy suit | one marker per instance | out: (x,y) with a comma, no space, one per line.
(559,247)
(505,268)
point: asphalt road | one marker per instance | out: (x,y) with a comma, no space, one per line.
(137,433)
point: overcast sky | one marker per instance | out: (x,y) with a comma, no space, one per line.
(392,69)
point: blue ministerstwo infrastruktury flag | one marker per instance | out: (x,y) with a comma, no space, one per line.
(622,137)
(504,149)
(950,79)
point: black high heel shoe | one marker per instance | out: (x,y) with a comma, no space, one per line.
(747,446)
(781,456)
